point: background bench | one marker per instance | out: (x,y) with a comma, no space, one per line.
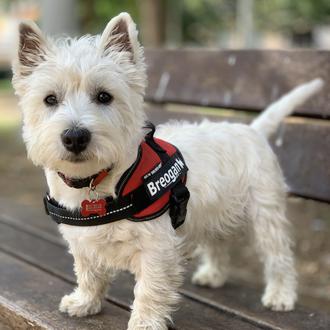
(249,81)
(35,268)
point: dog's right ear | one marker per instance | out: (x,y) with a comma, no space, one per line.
(32,48)
(120,35)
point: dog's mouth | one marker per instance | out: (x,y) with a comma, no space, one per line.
(75,158)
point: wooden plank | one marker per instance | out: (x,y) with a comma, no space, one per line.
(233,299)
(12,213)
(243,79)
(55,260)
(30,297)
(302,146)
(13,317)
(246,301)
(303,149)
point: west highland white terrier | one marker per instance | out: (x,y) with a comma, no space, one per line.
(83,119)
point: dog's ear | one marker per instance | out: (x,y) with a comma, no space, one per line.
(32,48)
(121,35)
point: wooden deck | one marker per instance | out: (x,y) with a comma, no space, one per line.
(36,271)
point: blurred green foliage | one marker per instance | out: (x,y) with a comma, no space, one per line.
(203,19)
(5,84)
(291,15)
(95,14)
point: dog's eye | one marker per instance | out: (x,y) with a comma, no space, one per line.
(51,100)
(104,97)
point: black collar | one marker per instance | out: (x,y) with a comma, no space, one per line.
(90,181)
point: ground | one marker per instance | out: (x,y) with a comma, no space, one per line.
(22,182)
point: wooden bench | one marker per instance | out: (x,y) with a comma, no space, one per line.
(35,268)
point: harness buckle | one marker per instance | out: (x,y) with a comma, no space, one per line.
(178,204)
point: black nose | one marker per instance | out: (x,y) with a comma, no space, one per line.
(76,139)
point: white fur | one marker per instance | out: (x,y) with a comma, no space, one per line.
(269,120)
(234,180)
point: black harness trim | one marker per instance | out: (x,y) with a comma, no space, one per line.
(169,175)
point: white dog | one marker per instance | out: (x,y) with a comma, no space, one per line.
(96,85)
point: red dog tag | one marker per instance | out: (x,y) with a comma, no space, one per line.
(95,206)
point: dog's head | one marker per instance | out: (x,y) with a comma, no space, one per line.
(81,98)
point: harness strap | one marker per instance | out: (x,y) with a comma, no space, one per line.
(149,138)
(178,204)
(124,207)
(115,211)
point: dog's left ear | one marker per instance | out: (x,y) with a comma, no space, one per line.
(32,48)
(121,35)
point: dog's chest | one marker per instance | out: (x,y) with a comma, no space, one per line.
(112,245)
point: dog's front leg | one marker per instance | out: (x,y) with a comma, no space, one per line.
(92,281)
(156,291)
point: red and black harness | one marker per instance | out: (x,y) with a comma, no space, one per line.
(154,184)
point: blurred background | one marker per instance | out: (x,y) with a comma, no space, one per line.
(267,24)
(187,23)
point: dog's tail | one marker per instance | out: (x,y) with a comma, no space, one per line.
(270,119)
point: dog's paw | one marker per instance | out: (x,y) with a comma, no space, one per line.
(209,276)
(279,300)
(76,305)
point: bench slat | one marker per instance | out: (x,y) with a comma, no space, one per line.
(305,158)
(300,145)
(244,79)
(55,260)
(28,294)
(233,299)
(246,301)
